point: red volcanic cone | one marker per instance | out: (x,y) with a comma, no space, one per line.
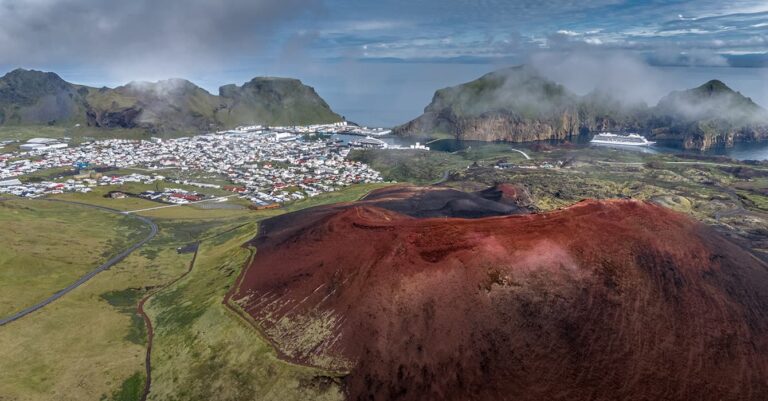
(616,300)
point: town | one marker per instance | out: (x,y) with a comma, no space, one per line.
(264,165)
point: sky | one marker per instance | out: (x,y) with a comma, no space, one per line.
(379,62)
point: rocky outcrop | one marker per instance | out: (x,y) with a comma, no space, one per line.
(125,118)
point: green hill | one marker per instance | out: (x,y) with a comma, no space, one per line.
(173,105)
(514,104)
(713,100)
(34,97)
(273,101)
(710,115)
(169,105)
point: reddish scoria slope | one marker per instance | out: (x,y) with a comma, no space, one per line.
(617,300)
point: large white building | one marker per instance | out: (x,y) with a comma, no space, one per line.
(10,183)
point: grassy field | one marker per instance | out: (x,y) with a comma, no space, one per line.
(422,168)
(48,245)
(413,166)
(203,351)
(97,197)
(91,344)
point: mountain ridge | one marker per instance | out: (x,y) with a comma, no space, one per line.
(30,97)
(518,104)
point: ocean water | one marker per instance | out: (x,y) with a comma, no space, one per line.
(744,151)
(741,151)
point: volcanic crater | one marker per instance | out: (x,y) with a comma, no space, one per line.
(423,293)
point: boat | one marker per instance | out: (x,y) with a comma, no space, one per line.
(368,142)
(615,139)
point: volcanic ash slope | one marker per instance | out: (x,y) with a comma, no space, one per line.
(612,300)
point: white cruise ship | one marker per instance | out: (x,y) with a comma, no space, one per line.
(614,139)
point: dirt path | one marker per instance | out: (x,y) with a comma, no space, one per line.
(82,280)
(148,322)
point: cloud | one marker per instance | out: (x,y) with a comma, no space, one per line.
(142,37)
(625,75)
(146,39)
(688,58)
(703,28)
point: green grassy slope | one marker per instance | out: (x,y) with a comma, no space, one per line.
(273,101)
(47,246)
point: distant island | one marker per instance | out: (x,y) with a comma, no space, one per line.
(518,105)
(29,97)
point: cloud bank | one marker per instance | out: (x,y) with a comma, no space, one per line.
(143,38)
(179,36)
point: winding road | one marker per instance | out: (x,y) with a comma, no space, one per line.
(522,153)
(106,265)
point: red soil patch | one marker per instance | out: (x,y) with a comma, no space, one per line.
(615,300)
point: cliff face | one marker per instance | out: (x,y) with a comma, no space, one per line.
(493,127)
(518,105)
(512,105)
(34,97)
(709,134)
(498,126)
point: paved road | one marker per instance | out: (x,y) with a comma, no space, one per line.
(522,153)
(443,178)
(111,262)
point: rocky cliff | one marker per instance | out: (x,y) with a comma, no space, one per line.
(514,105)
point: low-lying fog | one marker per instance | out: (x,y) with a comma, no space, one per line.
(386,94)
